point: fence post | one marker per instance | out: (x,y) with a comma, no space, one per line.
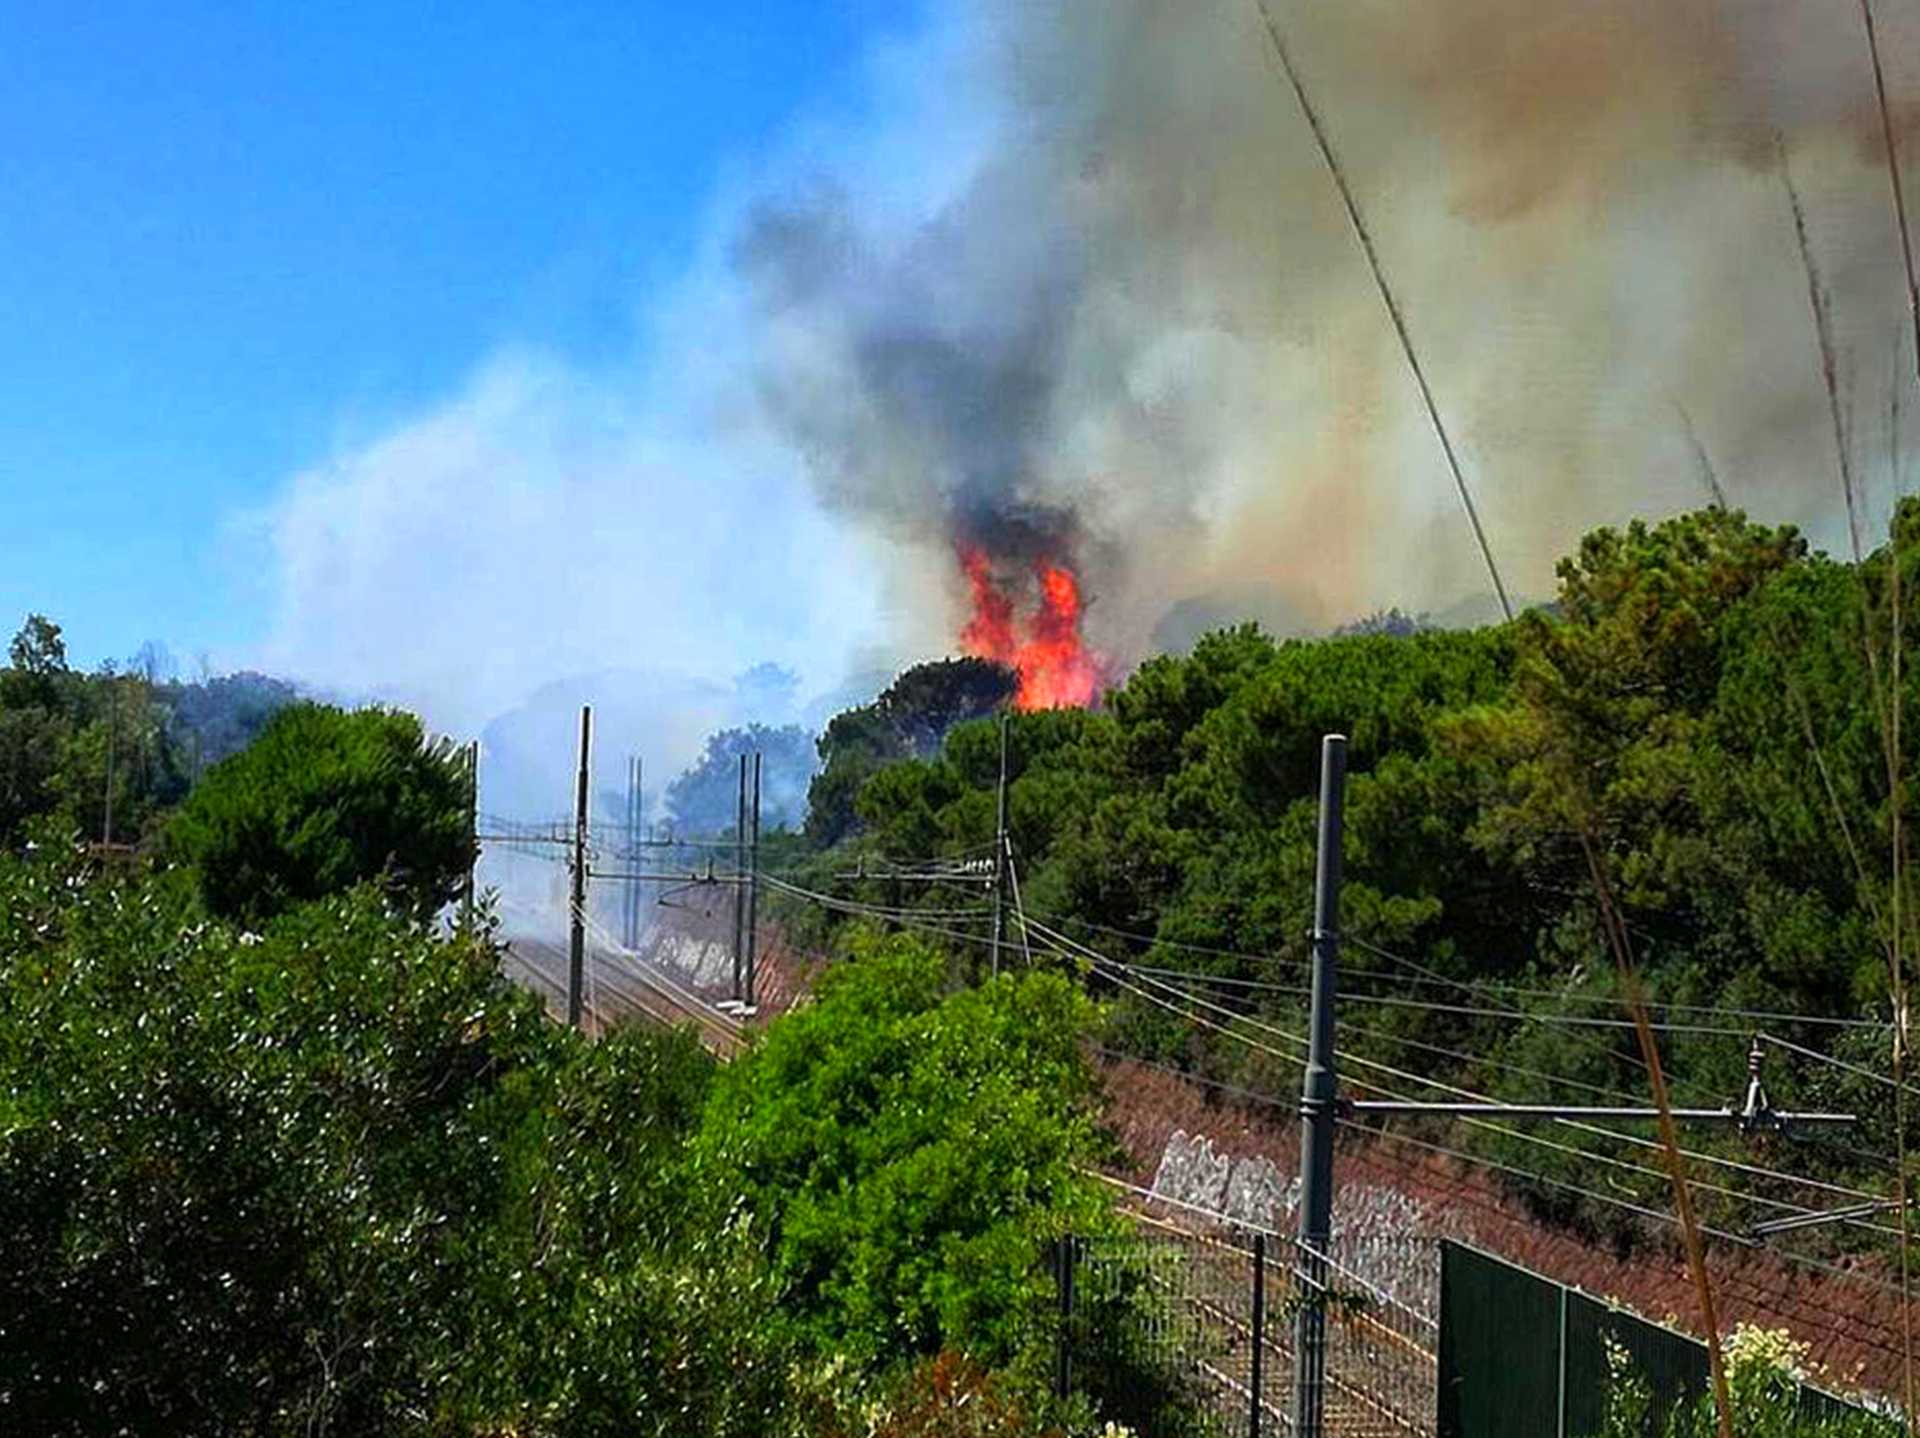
(1063,1285)
(1259,1332)
(1560,1407)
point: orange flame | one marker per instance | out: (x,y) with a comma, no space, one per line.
(1056,668)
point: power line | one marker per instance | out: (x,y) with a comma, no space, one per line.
(905,917)
(1521,1015)
(1117,973)
(1587,1041)
(1422,975)
(1271,1101)
(1421,969)
(1478,1061)
(1851,1068)
(1363,1062)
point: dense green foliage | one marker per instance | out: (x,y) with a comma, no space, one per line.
(337,1176)
(323,800)
(910,718)
(223,713)
(909,1154)
(106,755)
(1696,724)
(86,754)
(277,1156)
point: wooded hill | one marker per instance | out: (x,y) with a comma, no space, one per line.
(1711,721)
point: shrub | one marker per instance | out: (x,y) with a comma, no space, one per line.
(324,800)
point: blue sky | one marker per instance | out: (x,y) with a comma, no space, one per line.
(409,351)
(233,234)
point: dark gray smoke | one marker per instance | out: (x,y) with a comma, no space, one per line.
(1134,324)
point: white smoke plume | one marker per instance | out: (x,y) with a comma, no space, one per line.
(1078,270)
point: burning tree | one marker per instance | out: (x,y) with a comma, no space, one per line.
(1046,648)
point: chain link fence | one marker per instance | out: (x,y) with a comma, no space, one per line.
(1182,1328)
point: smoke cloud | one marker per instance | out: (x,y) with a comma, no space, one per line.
(1075,284)
(1138,326)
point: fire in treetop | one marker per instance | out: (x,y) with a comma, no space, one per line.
(1056,669)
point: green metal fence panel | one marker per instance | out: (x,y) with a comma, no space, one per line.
(1674,1366)
(1524,1357)
(1499,1370)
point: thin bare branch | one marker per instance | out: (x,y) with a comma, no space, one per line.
(1365,237)
(1899,204)
(1709,476)
(1821,303)
(1636,1004)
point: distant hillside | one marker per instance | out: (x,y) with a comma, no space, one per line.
(224,712)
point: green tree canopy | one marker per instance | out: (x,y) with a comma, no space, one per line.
(38,652)
(340,1177)
(906,1151)
(1708,707)
(79,749)
(323,800)
(703,798)
(909,720)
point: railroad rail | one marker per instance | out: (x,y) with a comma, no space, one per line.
(622,986)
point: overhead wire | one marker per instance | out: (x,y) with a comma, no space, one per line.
(1113,971)
(1637,1060)
(1465,1010)
(1371,1132)
(1476,987)
(1428,977)
(1529,1175)
(1853,1068)
(1362,1061)
(1122,976)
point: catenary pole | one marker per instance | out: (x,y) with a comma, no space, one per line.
(467,889)
(113,735)
(1319,1093)
(753,885)
(577,918)
(640,838)
(630,903)
(739,898)
(1257,1379)
(1000,852)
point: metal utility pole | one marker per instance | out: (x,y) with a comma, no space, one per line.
(113,735)
(468,890)
(739,897)
(1000,852)
(630,905)
(1319,1092)
(1321,1108)
(577,918)
(753,886)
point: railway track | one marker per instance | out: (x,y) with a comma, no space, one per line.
(621,987)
